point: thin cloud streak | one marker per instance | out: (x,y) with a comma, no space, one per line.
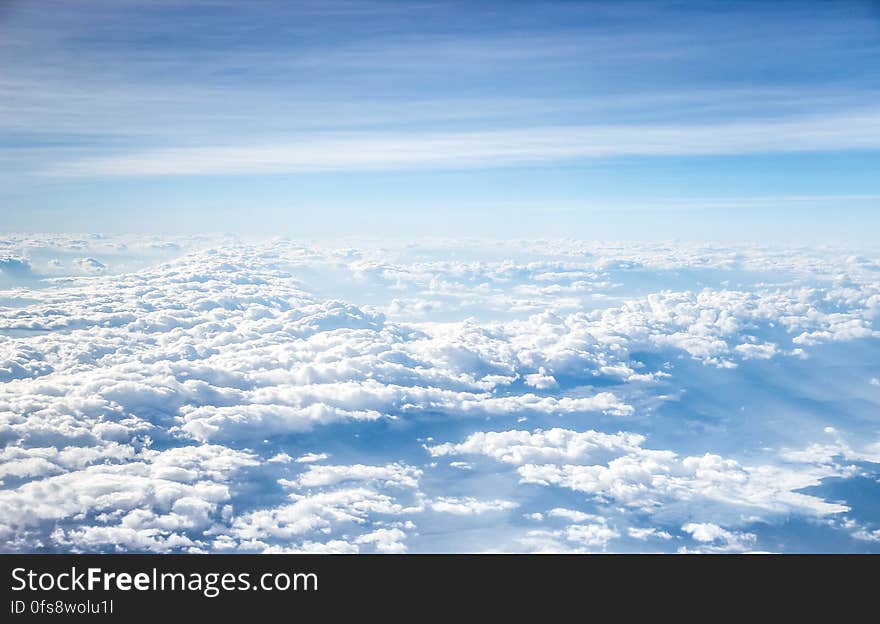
(371,151)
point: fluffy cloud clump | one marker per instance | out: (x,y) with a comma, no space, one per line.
(618,469)
(190,395)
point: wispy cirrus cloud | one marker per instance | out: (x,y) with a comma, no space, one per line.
(436,106)
(376,151)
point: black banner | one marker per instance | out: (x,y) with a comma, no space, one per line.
(151,587)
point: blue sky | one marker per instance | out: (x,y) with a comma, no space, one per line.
(709,120)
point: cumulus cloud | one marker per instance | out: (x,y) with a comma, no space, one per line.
(354,500)
(397,475)
(188,394)
(617,468)
(646,533)
(470,506)
(148,500)
(521,447)
(90,265)
(385,540)
(309,458)
(713,538)
(570,514)
(583,537)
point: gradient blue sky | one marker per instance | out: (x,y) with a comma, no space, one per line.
(697,120)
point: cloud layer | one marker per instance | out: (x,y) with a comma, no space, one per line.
(203,395)
(853,130)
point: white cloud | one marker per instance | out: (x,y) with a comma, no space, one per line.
(593,535)
(331,547)
(90,265)
(541,380)
(470,506)
(570,514)
(365,151)
(397,475)
(385,540)
(582,537)
(156,404)
(520,447)
(309,458)
(460,465)
(150,498)
(280,458)
(646,533)
(660,482)
(617,468)
(713,538)
(321,512)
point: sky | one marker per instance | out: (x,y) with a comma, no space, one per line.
(439,276)
(737,121)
